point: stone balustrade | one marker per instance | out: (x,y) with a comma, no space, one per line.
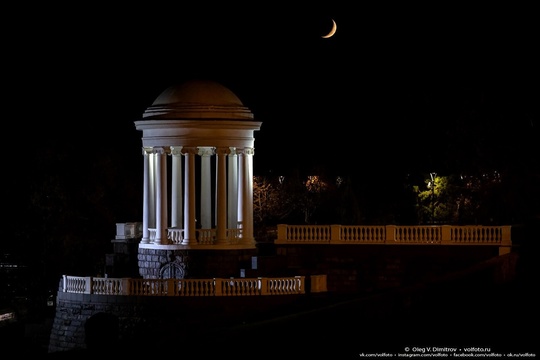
(186,287)
(396,235)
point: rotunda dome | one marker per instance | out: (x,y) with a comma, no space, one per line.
(197,99)
(198,92)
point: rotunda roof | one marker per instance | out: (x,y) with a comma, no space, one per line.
(198,92)
(197,99)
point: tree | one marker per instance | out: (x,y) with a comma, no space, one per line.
(463,199)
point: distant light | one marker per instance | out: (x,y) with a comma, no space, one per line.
(11,266)
(7,316)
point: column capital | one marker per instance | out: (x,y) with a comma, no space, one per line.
(206,151)
(247,151)
(176,150)
(160,150)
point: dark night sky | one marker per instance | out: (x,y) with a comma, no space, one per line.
(400,87)
(391,78)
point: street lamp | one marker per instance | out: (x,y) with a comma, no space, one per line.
(431,186)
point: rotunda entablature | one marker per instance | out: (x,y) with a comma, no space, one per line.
(194,133)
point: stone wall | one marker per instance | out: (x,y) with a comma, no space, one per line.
(155,319)
(196,263)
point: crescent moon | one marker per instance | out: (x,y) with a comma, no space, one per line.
(332,32)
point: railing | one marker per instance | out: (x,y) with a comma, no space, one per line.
(363,234)
(394,234)
(188,287)
(202,236)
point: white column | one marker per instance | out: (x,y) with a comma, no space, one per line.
(176,187)
(189,196)
(221,198)
(151,188)
(241,193)
(161,196)
(247,198)
(146,195)
(232,190)
(206,187)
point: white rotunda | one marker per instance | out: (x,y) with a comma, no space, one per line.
(198,147)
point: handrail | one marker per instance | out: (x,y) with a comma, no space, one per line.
(184,287)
